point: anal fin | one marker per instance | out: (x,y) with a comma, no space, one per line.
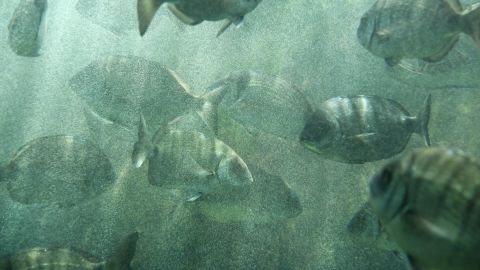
(442,53)
(146,10)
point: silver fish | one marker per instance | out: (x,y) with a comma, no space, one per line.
(263,103)
(62,170)
(193,12)
(428,201)
(189,160)
(69,259)
(24,27)
(424,29)
(360,129)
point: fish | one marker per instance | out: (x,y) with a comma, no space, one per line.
(70,259)
(423,29)
(263,103)
(427,201)
(359,129)
(58,170)
(115,92)
(269,199)
(189,160)
(24,35)
(193,12)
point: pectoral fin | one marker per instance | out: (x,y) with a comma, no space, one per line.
(365,138)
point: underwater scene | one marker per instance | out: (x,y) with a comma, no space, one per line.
(240,134)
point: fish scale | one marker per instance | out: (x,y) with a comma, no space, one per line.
(438,224)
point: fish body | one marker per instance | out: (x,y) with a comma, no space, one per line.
(424,29)
(193,12)
(24,27)
(428,201)
(359,129)
(62,170)
(263,103)
(69,259)
(190,160)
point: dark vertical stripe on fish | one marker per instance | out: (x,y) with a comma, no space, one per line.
(450,179)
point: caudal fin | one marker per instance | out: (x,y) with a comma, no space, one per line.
(146,10)
(423,118)
(143,147)
(123,254)
(470,22)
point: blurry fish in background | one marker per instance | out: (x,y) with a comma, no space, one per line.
(24,31)
(118,88)
(189,160)
(66,258)
(106,14)
(268,199)
(366,228)
(360,129)
(193,12)
(424,29)
(60,170)
(428,200)
(263,103)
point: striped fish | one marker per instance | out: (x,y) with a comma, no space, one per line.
(193,12)
(360,129)
(424,29)
(263,103)
(428,201)
(70,259)
(190,160)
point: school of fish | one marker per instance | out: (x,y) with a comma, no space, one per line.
(423,203)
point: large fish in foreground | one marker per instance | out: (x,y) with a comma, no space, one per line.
(70,259)
(360,129)
(428,200)
(424,29)
(193,12)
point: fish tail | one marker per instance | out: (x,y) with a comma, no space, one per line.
(423,118)
(143,147)
(123,254)
(470,22)
(146,10)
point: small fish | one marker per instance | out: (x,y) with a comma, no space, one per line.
(424,29)
(428,202)
(189,160)
(61,170)
(24,28)
(69,259)
(360,129)
(193,12)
